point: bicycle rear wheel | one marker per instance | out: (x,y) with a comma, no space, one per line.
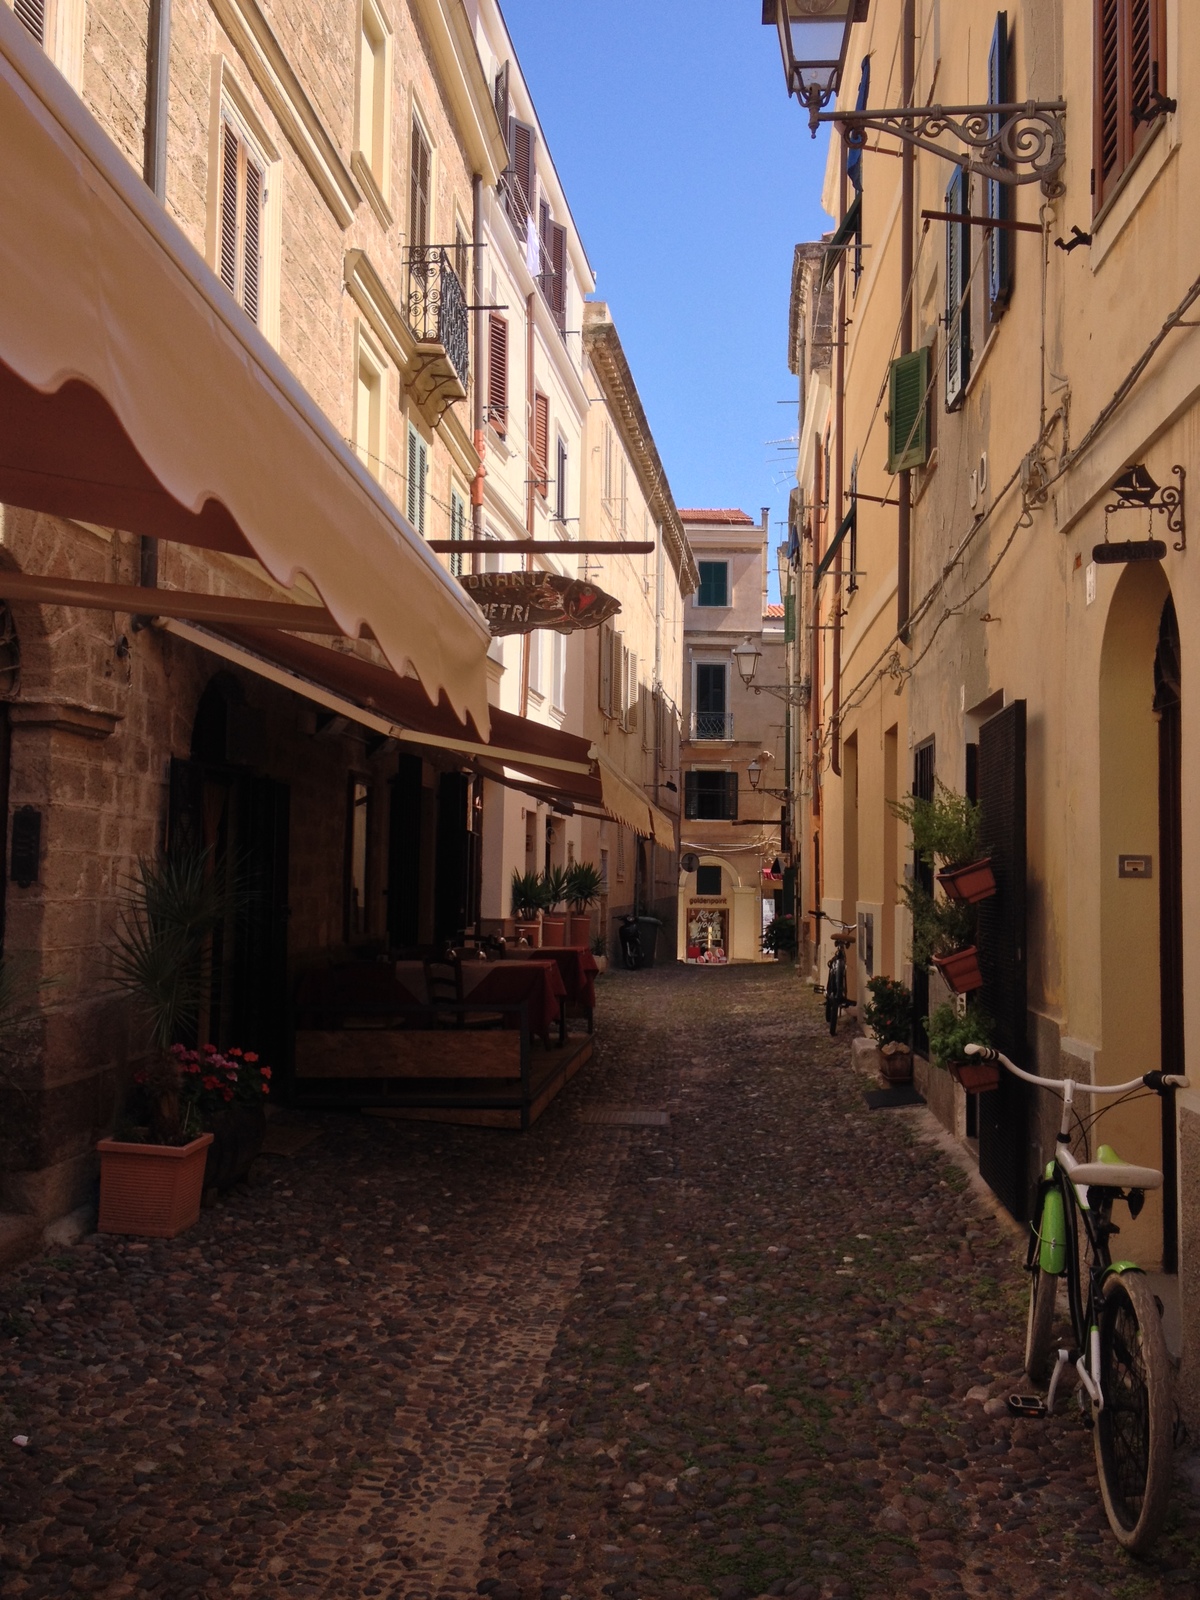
(833,998)
(1133,1433)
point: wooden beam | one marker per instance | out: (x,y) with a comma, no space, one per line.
(561,547)
(188,607)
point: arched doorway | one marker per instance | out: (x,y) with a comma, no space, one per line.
(1141,924)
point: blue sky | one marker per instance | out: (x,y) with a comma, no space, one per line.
(690,177)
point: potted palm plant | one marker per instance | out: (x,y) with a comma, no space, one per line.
(527,902)
(554,892)
(584,886)
(152,1174)
(600,951)
(949,1035)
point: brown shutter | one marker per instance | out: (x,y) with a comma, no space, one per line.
(229,209)
(1130,76)
(33,14)
(418,189)
(252,252)
(541,441)
(501,97)
(521,143)
(497,391)
(604,696)
(558,266)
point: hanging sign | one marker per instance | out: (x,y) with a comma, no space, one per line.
(519,602)
(1117,552)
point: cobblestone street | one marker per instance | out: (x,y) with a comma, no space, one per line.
(755,1349)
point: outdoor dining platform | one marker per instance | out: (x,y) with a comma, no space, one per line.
(452,1040)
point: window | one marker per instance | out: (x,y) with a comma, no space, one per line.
(714,583)
(369,405)
(605,636)
(497,392)
(540,451)
(708,879)
(420,191)
(458,528)
(710,796)
(373,127)
(519,179)
(242,201)
(58,26)
(462,255)
(996,196)
(553,277)
(534,646)
(908,381)
(33,14)
(1130,86)
(418,471)
(559,686)
(357,819)
(629,688)
(607,468)
(711,717)
(958,296)
(560,484)
(624,494)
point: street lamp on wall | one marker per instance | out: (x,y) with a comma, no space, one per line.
(812,41)
(746,658)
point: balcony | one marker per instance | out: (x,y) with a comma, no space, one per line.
(712,727)
(438,316)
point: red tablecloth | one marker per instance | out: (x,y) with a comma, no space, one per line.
(506,983)
(333,997)
(576,966)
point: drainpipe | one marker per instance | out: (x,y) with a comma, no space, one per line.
(839,475)
(477,420)
(815,698)
(526,639)
(907,170)
(154,171)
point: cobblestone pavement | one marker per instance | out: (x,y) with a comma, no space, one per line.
(756,1350)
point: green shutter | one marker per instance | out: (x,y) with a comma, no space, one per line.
(789,619)
(908,434)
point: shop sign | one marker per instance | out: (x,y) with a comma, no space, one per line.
(519,602)
(707,924)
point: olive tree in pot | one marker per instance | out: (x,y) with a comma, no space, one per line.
(889,1015)
(154,1172)
(584,887)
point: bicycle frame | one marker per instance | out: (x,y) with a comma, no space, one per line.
(1077,1204)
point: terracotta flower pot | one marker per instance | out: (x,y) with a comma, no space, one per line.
(579,929)
(554,932)
(971,883)
(897,1063)
(961,970)
(152,1191)
(531,932)
(976,1077)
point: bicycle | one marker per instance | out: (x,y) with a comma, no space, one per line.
(836,988)
(1119,1353)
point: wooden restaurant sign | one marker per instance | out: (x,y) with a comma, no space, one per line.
(519,602)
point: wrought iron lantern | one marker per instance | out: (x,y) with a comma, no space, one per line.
(746,658)
(812,41)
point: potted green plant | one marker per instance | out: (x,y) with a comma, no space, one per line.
(554,892)
(528,899)
(585,885)
(600,951)
(779,937)
(943,933)
(949,1034)
(946,835)
(889,1015)
(152,1174)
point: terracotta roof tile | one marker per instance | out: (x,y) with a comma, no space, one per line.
(770,613)
(718,515)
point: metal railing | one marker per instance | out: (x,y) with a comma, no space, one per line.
(437,307)
(712,725)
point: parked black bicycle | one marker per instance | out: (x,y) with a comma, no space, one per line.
(837,988)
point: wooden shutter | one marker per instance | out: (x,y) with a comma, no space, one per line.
(458,527)
(230,144)
(418,188)
(521,143)
(497,393)
(501,98)
(560,483)
(1129,80)
(541,442)
(1004,1117)
(908,380)
(632,696)
(252,241)
(604,697)
(618,678)
(556,245)
(691,808)
(998,241)
(958,305)
(418,462)
(730,810)
(33,14)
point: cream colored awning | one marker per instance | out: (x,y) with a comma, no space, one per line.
(135,394)
(623,800)
(664,828)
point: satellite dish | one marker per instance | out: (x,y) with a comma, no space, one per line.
(690,861)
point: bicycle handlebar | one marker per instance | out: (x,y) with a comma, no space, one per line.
(1158,1081)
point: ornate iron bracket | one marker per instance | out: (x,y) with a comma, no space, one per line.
(1012,143)
(795,694)
(1136,490)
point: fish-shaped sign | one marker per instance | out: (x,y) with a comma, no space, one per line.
(519,602)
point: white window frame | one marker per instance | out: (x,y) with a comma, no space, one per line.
(373,166)
(558,679)
(231,102)
(369,360)
(63,25)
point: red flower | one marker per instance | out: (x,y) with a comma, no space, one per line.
(249,1056)
(266,1088)
(227,1094)
(192,1067)
(265,1071)
(210,1049)
(208,1082)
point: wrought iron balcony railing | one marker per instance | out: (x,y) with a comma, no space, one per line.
(712,725)
(437,307)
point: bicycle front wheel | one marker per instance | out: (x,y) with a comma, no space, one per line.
(833,1000)
(1039,1330)
(1133,1432)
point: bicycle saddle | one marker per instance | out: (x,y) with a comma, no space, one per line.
(1110,1172)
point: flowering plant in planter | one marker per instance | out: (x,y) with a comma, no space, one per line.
(211,1080)
(779,936)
